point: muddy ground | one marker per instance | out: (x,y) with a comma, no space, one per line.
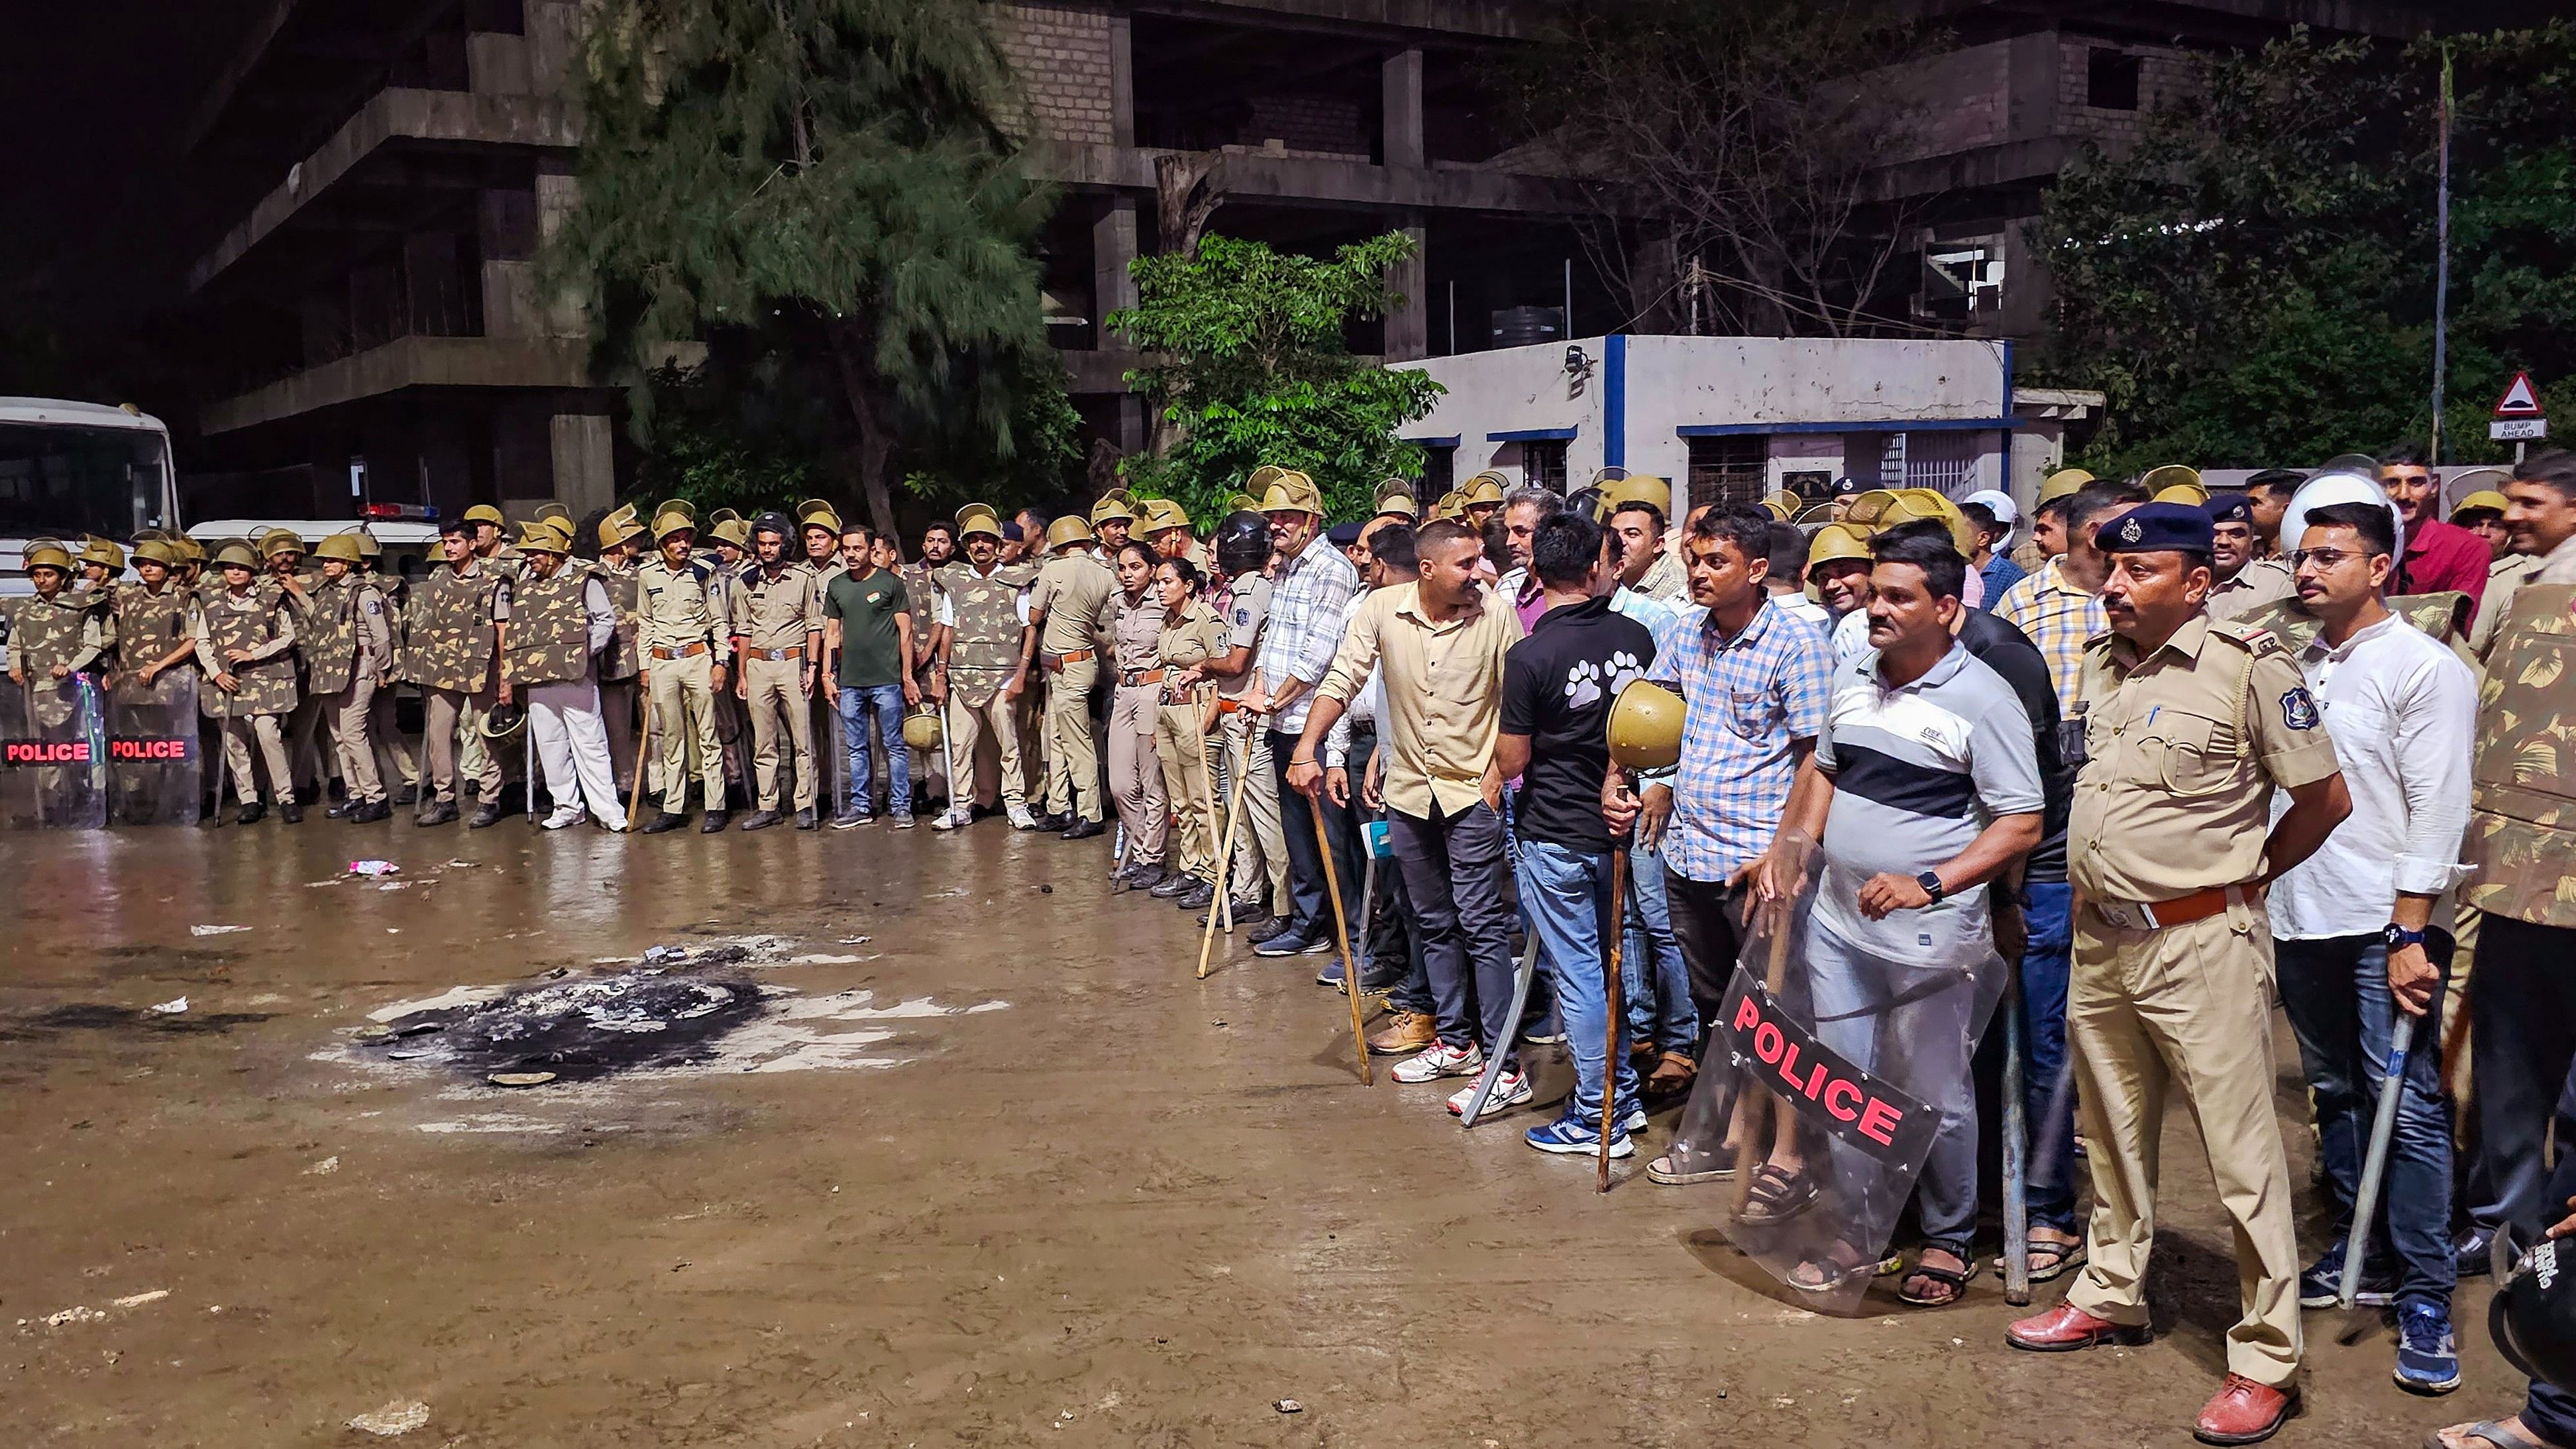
(1000,1173)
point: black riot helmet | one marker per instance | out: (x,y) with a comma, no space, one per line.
(1242,543)
(2533,1315)
(773,521)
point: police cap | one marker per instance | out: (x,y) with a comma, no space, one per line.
(2156,528)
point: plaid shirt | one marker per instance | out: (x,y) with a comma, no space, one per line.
(1748,699)
(2058,617)
(1307,602)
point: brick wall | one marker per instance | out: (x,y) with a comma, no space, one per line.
(2164,76)
(1956,101)
(1316,125)
(1059,57)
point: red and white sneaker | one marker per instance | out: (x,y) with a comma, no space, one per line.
(1510,1090)
(1443,1060)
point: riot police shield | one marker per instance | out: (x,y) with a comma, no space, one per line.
(1832,1069)
(53,755)
(155,762)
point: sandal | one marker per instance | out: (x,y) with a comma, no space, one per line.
(1840,1273)
(1777,1195)
(2493,1431)
(1668,1171)
(2049,1260)
(1954,1279)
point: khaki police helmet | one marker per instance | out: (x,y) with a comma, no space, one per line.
(921,728)
(236,555)
(680,506)
(1885,507)
(545,535)
(368,547)
(817,513)
(1783,505)
(503,721)
(1292,492)
(157,550)
(1113,506)
(733,531)
(48,555)
(2174,483)
(2062,482)
(1646,727)
(2482,498)
(280,540)
(1484,488)
(977,518)
(1242,503)
(670,521)
(486,513)
(104,551)
(1838,541)
(616,529)
(1261,478)
(342,546)
(1395,495)
(1067,530)
(555,513)
(1637,488)
(1164,514)
(720,518)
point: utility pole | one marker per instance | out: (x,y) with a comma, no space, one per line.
(2442,255)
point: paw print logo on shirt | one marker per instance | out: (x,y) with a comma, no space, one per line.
(1582,684)
(1625,669)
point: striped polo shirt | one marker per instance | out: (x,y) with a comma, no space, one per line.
(1918,770)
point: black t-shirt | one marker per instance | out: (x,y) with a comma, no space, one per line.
(1557,687)
(2009,652)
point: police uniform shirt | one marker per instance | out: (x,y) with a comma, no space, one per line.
(1247,614)
(677,607)
(1074,592)
(2183,748)
(773,613)
(2260,583)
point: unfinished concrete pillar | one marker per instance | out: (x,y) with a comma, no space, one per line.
(1400,88)
(585,462)
(1408,325)
(1113,248)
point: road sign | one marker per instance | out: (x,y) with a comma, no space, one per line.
(2518,430)
(2521,400)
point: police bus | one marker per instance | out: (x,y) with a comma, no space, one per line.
(68,469)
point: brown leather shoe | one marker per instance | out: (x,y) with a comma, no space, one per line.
(2244,1412)
(1406,1032)
(2066,1328)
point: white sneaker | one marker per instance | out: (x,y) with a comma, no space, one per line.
(1443,1060)
(1021,819)
(1636,1120)
(563,819)
(951,820)
(1510,1090)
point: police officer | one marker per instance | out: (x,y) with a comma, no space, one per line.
(621,539)
(560,619)
(1070,606)
(1113,518)
(153,632)
(450,652)
(819,524)
(491,543)
(347,649)
(246,646)
(2241,585)
(778,634)
(731,537)
(983,643)
(384,732)
(922,595)
(680,624)
(2189,725)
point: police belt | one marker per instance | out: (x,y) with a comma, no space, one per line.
(2180,911)
(796,651)
(1055,663)
(1134,677)
(685,651)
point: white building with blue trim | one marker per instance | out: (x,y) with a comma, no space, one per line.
(1734,418)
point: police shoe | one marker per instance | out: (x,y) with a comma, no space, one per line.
(714,821)
(368,812)
(407,795)
(760,820)
(347,807)
(290,812)
(1178,883)
(1198,897)
(805,818)
(2067,1327)
(251,814)
(1144,875)
(1084,830)
(665,821)
(488,813)
(2244,1412)
(440,812)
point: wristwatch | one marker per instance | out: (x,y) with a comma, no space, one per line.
(2399,938)
(1930,880)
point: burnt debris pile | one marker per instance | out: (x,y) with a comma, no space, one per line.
(666,1014)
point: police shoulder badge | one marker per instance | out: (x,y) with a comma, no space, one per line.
(2299,710)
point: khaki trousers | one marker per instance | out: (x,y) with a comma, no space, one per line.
(2188,1005)
(385,739)
(774,692)
(1262,847)
(684,708)
(347,711)
(451,710)
(1135,779)
(1186,785)
(270,730)
(1073,757)
(617,717)
(1029,716)
(998,717)
(304,752)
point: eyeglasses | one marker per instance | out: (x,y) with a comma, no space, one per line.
(2324,558)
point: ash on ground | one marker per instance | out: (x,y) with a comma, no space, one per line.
(579,1028)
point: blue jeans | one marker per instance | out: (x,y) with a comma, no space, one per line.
(886,701)
(1651,971)
(1454,871)
(1566,895)
(2045,965)
(2336,994)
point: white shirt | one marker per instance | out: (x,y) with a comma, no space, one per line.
(1363,708)
(2400,708)
(1797,603)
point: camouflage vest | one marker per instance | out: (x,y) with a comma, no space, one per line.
(987,645)
(623,658)
(267,685)
(326,634)
(391,588)
(921,596)
(449,629)
(2441,615)
(549,631)
(150,625)
(2522,806)
(43,634)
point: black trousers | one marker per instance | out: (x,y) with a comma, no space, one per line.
(1310,914)
(1708,924)
(2522,1020)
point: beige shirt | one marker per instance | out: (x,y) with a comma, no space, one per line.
(1074,592)
(675,608)
(2183,749)
(2505,578)
(1444,693)
(777,613)
(1134,631)
(2257,585)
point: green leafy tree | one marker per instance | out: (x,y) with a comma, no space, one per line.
(1250,366)
(829,180)
(2253,282)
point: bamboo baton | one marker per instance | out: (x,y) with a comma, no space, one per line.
(1610,1048)
(1225,859)
(1342,926)
(643,752)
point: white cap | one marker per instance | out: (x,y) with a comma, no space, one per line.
(2001,505)
(2328,489)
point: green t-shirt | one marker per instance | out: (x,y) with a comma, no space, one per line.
(866,606)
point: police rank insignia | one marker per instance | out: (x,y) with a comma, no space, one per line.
(2299,710)
(2131,532)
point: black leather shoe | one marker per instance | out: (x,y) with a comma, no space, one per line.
(1084,829)
(487,814)
(760,820)
(290,812)
(1197,898)
(440,812)
(714,822)
(251,814)
(1174,886)
(343,810)
(407,795)
(1145,876)
(665,821)
(368,812)
(805,819)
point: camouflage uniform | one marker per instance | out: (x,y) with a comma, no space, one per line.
(619,664)
(348,651)
(149,625)
(252,620)
(448,652)
(67,629)
(921,596)
(554,623)
(384,731)
(983,654)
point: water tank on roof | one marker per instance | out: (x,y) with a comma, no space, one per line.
(1521,326)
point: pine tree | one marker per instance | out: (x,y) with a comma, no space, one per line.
(832,176)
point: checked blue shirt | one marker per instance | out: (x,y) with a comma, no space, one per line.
(1748,698)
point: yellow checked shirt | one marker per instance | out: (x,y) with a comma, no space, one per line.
(1444,693)
(2183,750)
